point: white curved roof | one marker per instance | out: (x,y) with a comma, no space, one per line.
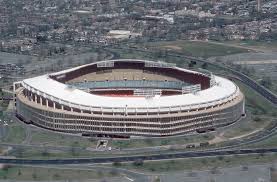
(54,90)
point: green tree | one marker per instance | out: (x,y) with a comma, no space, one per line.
(266,82)
(34,175)
(138,162)
(19,172)
(204,66)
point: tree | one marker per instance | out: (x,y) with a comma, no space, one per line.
(138,162)
(19,172)
(190,65)
(73,151)
(204,161)
(220,158)
(100,173)
(19,152)
(215,170)
(56,176)
(244,168)
(34,175)
(45,152)
(116,164)
(204,66)
(257,119)
(266,82)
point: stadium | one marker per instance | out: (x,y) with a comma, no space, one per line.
(127,98)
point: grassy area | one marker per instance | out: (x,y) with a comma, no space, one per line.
(16,133)
(149,142)
(197,49)
(270,142)
(260,112)
(56,139)
(39,174)
(266,45)
(181,62)
(198,163)
(247,126)
(45,153)
(4,105)
(255,103)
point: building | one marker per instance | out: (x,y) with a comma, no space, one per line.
(124,98)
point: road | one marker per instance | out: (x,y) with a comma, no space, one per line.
(257,137)
(250,82)
(157,157)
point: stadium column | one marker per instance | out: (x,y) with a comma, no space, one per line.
(31,96)
(47,104)
(36,98)
(243,106)
(126,110)
(40,100)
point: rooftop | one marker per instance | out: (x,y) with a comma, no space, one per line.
(45,85)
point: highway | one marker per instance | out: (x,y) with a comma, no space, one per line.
(271,97)
(180,155)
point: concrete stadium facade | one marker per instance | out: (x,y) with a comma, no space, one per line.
(102,99)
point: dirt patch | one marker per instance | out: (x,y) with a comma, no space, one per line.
(218,138)
(172,47)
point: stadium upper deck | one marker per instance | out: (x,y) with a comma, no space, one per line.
(198,94)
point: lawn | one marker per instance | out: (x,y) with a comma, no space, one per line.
(197,48)
(270,142)
(150,142)
(263,45)
(248,126)
(57,139)
(16,134)
(255,103)
(260,112)
(48,174)
(208,163)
